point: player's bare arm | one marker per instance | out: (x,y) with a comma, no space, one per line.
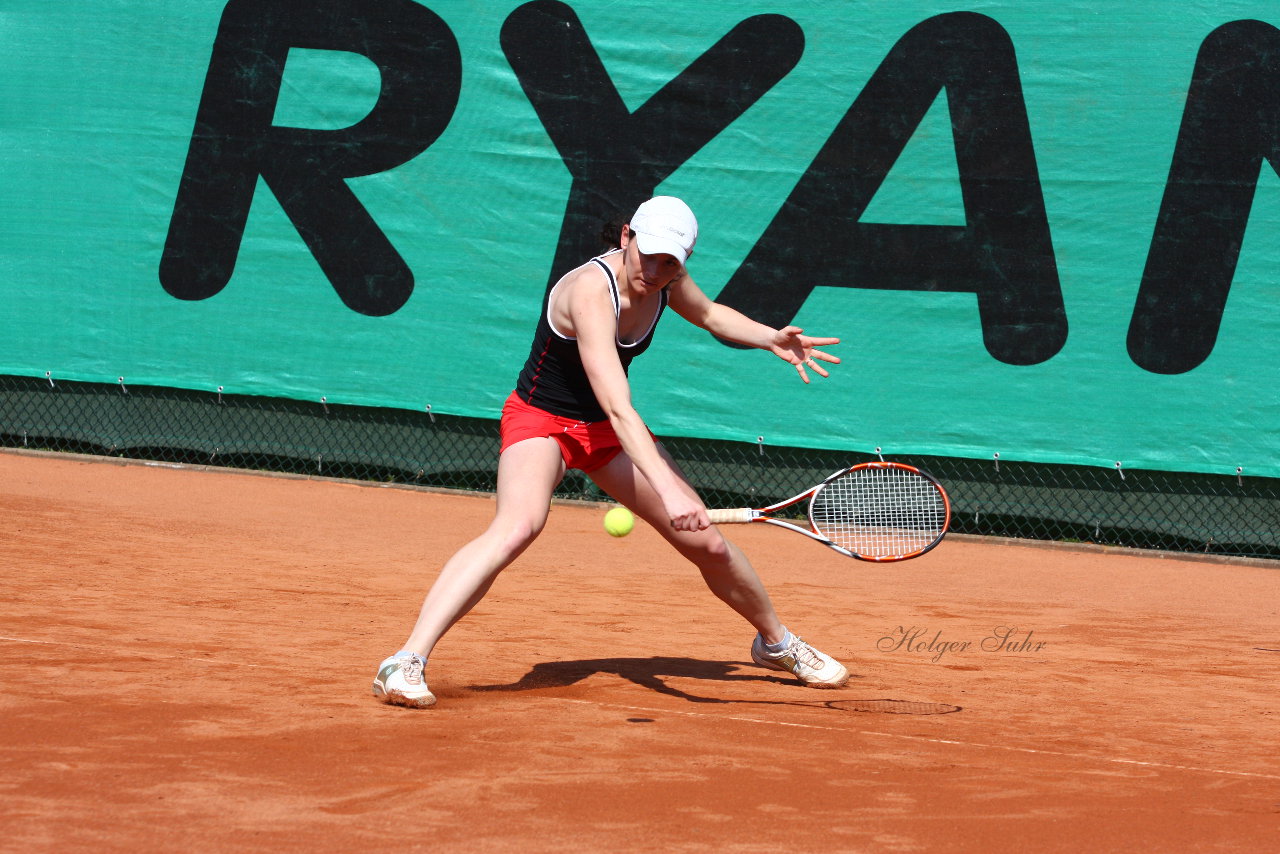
(589,310)
(788,343)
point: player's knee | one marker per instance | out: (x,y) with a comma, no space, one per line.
(713,552)
(518,534)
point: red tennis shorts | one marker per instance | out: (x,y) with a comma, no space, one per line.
(584,445)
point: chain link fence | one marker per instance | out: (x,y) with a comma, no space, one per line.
(1225,515)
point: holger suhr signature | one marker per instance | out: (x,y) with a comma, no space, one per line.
(1005,639)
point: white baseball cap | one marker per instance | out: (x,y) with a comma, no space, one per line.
(664,225)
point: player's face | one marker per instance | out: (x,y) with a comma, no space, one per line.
(649,273)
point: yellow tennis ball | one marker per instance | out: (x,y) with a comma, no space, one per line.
(618,522)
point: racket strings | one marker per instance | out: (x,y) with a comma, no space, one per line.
(880,513)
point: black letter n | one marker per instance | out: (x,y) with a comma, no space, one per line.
(1230,124)
(234,142)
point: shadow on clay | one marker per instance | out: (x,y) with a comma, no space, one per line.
(653,673)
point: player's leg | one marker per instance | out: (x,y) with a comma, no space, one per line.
(724,567)
(528,472)
(726,571)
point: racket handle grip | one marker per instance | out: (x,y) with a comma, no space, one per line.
(728,517)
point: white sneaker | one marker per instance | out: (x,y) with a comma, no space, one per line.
(400,682)
(813,668)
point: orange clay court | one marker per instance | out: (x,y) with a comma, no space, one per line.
(187,655)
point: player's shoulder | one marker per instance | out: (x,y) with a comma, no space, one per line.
(683,289)
(589,281)
(591,270)
(583,292)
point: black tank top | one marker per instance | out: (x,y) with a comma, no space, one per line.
(553,378)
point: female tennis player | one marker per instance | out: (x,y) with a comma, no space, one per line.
(572,409)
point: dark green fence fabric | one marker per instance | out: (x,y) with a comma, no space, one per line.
(1224,515)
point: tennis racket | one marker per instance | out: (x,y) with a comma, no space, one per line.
(871,511)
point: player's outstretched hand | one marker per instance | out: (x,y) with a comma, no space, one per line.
(801,350)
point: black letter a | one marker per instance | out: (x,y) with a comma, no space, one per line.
(234,142)
(1003,253)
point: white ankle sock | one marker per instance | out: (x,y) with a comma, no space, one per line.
(782,644)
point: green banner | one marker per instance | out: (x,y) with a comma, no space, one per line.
(1043,231)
